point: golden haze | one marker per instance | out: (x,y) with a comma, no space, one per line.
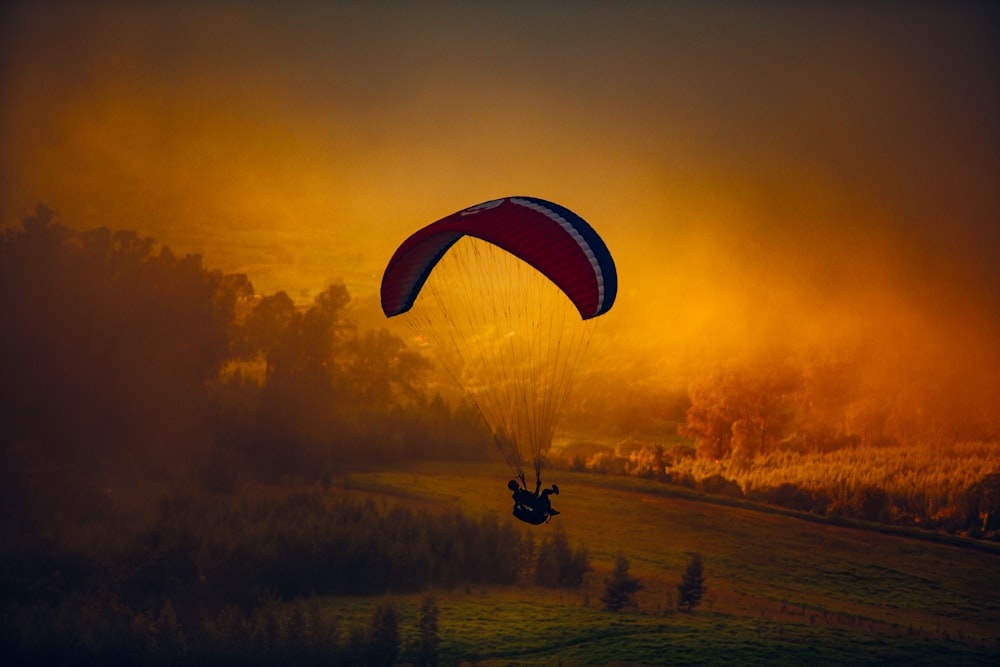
(785,179)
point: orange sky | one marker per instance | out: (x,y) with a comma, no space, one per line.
(781,172)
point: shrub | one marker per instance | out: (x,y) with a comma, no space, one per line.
(720,486)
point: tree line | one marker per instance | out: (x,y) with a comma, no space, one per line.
(124,361)
(895,485)
(819,402)
(227,578)
(103,631)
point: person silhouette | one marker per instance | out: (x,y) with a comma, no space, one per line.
(533,508)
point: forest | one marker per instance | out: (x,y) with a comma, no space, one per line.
(124,361)
(212,579)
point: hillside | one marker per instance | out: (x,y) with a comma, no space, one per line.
(780,589)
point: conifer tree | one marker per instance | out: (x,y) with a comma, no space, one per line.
(692,586)
(426,650)
(383,635)
(619,588)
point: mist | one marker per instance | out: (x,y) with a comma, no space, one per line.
(212,441)
(801,177)
(131,369)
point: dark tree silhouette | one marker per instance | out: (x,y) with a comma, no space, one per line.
(426,649)
(108,346)
(558,565)
(267,329)
(983,503)
(620,588)
(692,586)
(382,640)
(871,503)
(124,363)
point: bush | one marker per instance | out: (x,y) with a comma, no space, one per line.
(872,504)
(718,485)
(790,496)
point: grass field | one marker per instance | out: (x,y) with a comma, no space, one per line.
(781,590)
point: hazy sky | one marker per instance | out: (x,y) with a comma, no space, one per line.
(759,170)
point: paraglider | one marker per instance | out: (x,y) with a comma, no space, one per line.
(534,508)
(506,293)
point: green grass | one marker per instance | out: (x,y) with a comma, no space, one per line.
(781,590)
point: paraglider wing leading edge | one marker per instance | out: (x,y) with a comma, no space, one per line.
(554,240)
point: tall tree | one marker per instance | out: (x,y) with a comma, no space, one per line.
(382,639)
(107,345)
(620,588)
(692,586)
(742,409)
(426,651)
(558,565)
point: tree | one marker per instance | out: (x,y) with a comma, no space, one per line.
(559,566)
(378,368)
(709,418)
(871,503)
(620,588)
(983,502)
(692,586)
(266,331)
(426,648)
(107,347)
(172,642)
(382,645)
(743,409)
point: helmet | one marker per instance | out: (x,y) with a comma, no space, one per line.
(512,485)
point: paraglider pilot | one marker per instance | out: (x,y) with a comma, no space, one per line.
(534,508)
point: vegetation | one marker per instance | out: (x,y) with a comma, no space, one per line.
(838,431)
(124,362)
(382,642)
(426,649)
(558,565)
(809,431)
(692,587)
(103,599)
(174,488)
(943,488)
(619,587)
(814,401)
(104,631)
(205,571)
(782,589)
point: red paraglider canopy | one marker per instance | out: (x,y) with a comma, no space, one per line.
(551,238)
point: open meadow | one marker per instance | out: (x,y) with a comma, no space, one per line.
(780,590)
